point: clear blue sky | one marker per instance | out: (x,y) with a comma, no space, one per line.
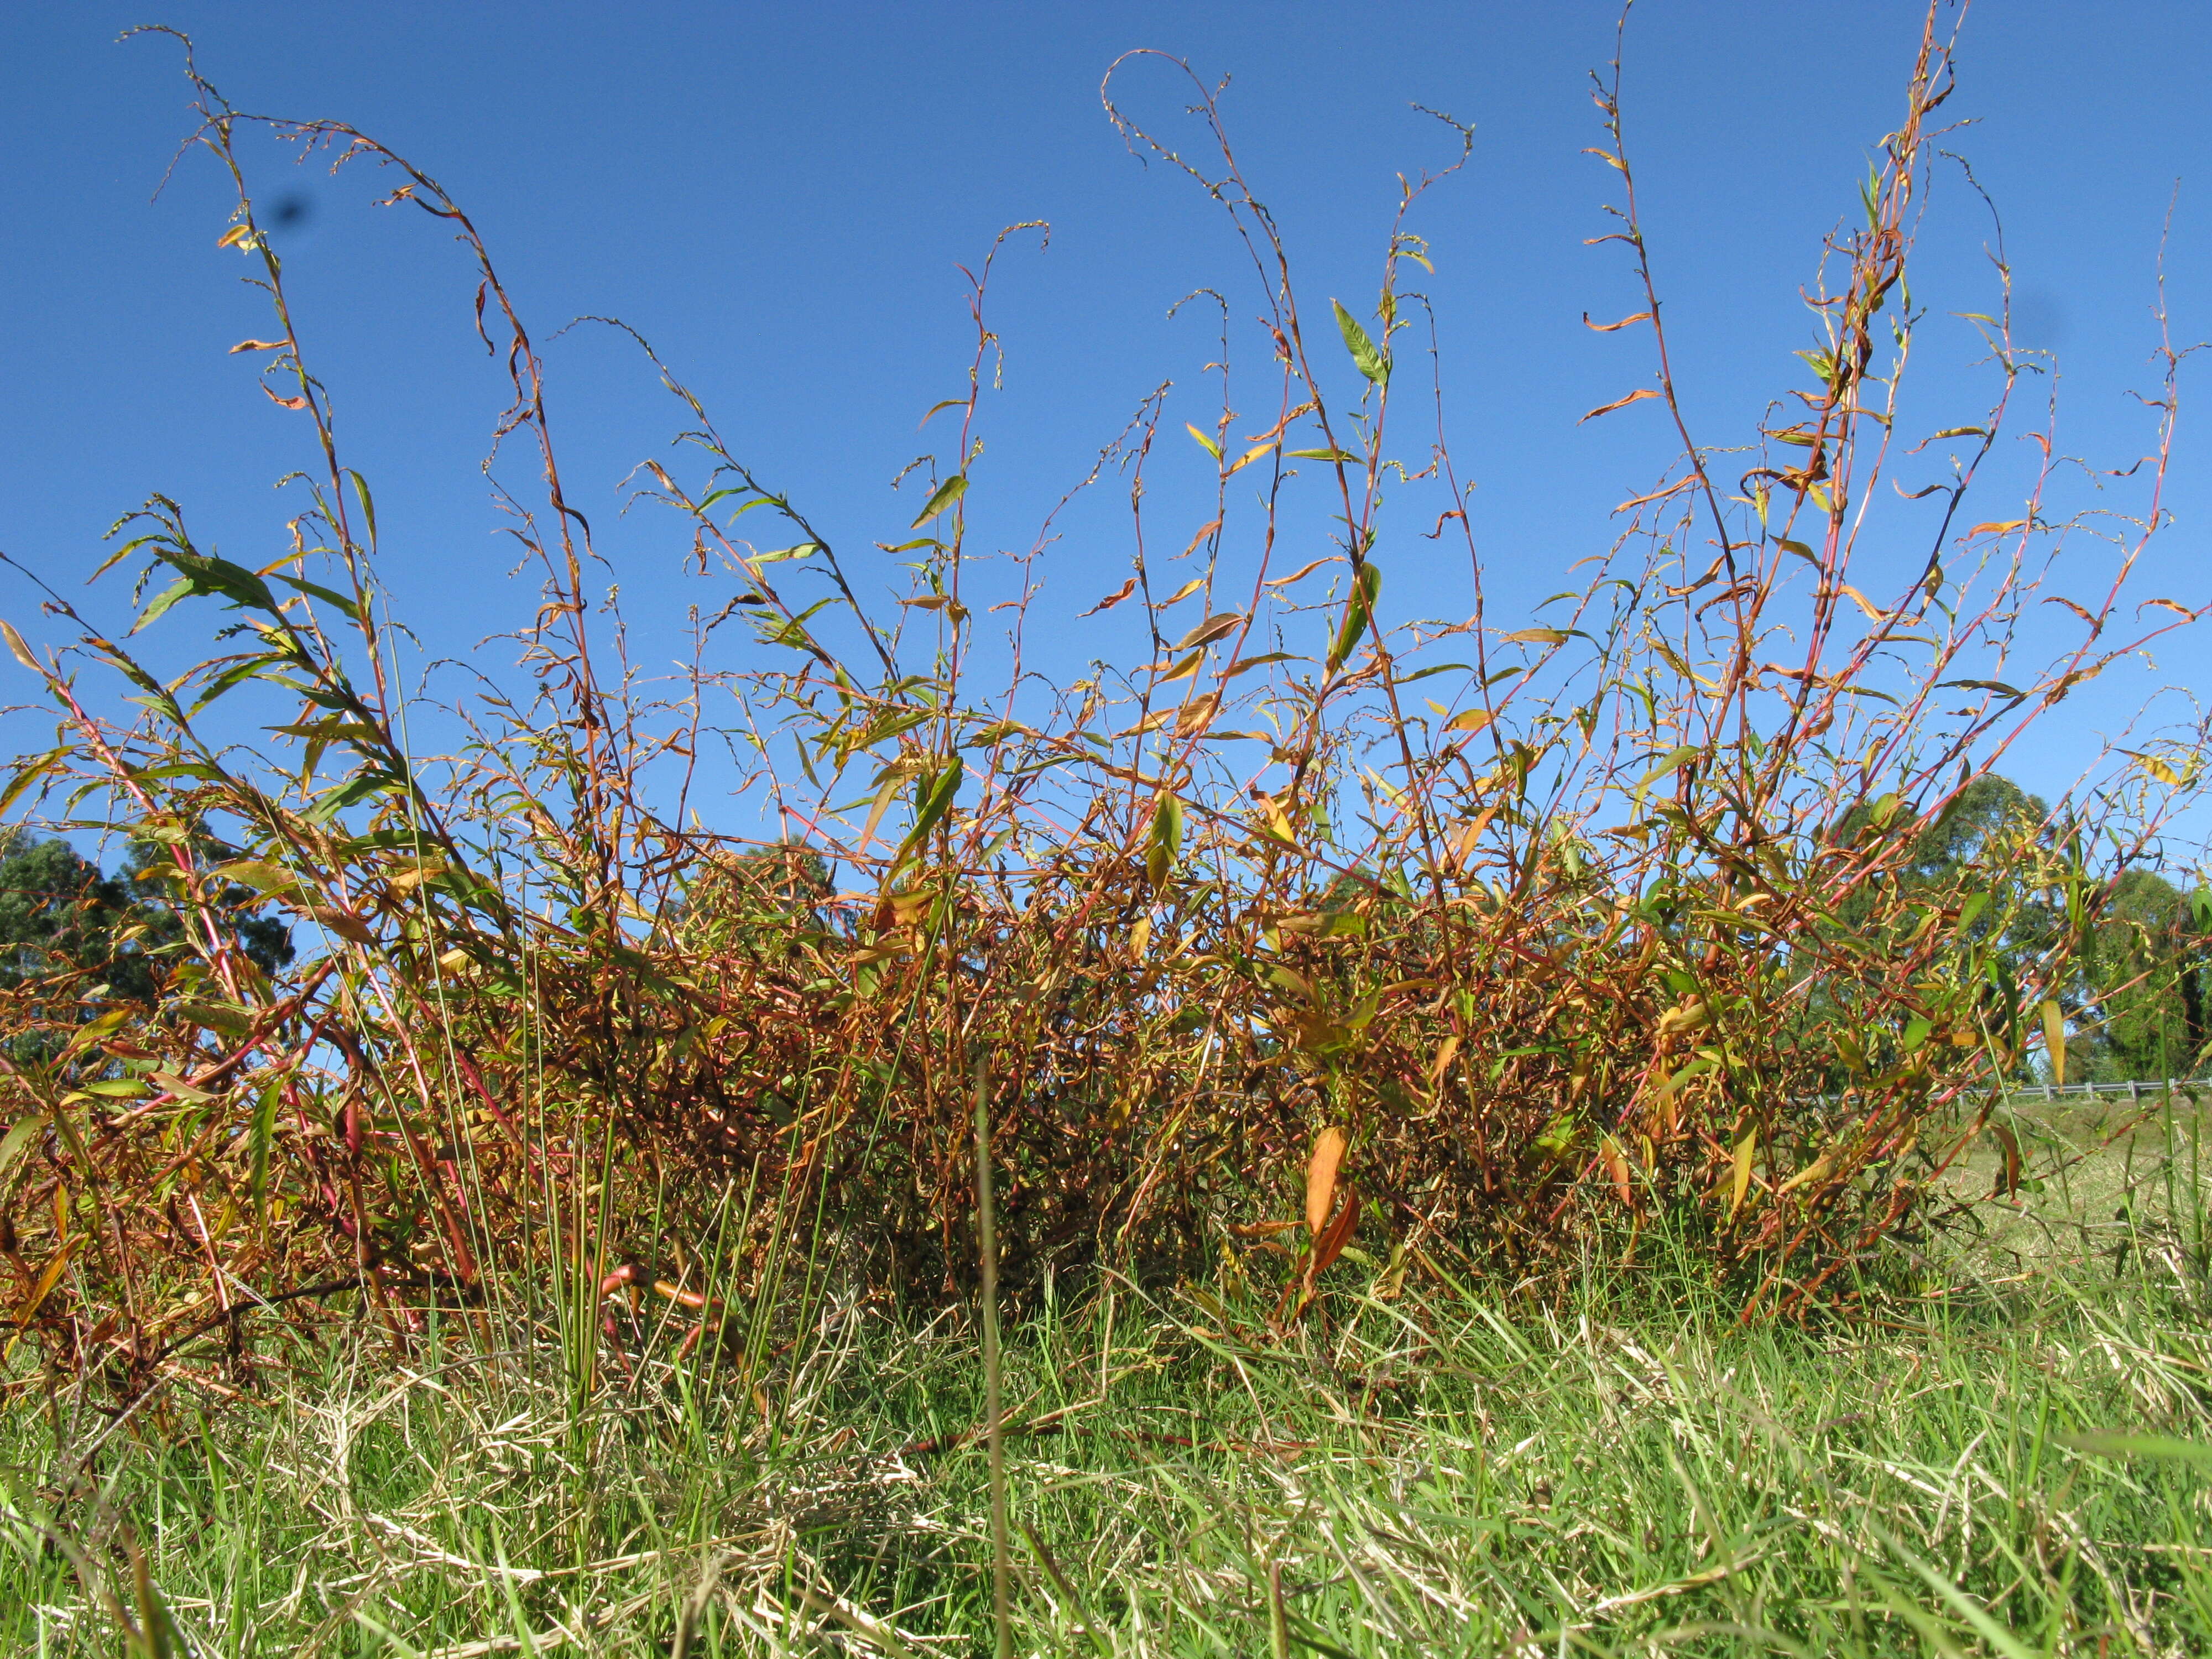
(779,198)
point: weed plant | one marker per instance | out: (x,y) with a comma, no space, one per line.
(1356,979)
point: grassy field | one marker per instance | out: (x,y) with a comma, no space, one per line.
(2011,1462)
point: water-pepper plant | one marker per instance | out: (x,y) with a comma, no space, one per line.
(1333,947)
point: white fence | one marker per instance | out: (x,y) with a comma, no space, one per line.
(2194,1088)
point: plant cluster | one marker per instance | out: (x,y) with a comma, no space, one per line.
(1492,940)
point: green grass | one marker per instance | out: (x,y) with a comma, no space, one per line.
(2005,1469)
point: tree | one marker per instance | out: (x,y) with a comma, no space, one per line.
(1970,860)
(101,938)
(2144,977)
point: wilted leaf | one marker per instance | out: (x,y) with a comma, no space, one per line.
(1331,1242)
(1616,1166)
(1618,403)
(1212,629)
(1113,599)
(2007,1181)
(344,923)
(1196,715)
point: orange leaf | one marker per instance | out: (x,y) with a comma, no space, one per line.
(1996,529)
(1320,1176)
(1113,599)
(1619,403)
(1339,1235)
(1298,575)
(1616,1164)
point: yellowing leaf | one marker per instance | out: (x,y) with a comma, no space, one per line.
(1994,528)
(1251,455)
(263,877)
(1740,1176)
(22,652)
(1472,719)
(1819,1170)
(1535,636)
(1203,442)
(1445,1053)
(2054,1040)
(1184,592)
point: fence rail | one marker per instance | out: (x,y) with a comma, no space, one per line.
(2194,1088)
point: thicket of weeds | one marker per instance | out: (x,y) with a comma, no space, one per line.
(1459,951)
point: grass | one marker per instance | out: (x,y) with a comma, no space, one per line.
(2000,1465)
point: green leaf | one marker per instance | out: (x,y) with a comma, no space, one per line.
(1372,363)
(122,1088)
(160,602)
(28,773)
(1673,761)
(368,502)
(1165,841)
(1203,442)
(1358,610)
(2097,1442)
(339,601)
(947,493)
(264,1129)
(937,793)
(353,789)
(261,876)
(18,1139)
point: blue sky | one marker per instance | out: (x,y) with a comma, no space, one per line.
(780,198)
